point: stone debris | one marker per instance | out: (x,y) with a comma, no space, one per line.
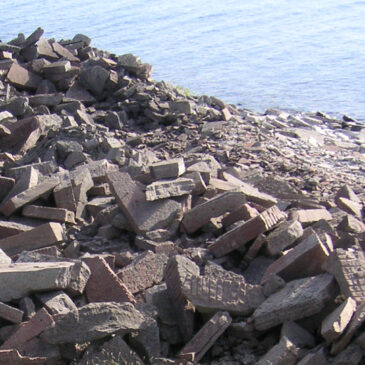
(140,224)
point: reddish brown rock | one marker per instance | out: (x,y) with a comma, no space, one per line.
(10,313)
(349,206)
(351,224)
(243,213)
(21,78)
(247,231)
(309,216)
(8,228)
(48,213)
(6,184)
(14,358)
(284,353)
(168,169)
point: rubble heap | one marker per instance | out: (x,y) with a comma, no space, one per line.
(142,225)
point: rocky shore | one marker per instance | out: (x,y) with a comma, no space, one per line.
(140,224)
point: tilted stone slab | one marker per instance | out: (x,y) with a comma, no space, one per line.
(247,231)
(309,216)
(13,357)
(28,196)
(177,270)
(57,303)
(11,313)
(209,295)
(205,338)
(142,215)
(20,279)
(42,236)
(144,271)
(49,213)
(303,260)
(63,193)
(168,169)
(298,299)
(167,189)
(95,321)
(9,228)
(284,353)
(348,267)
(201,214)
(23,79)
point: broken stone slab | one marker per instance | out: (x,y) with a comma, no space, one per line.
(336,322)
(13,357)
(44,49)
(144,271)
(45,99)
(9,228)
(351,224)
(82,182)
(46,168)
(64,52)
(28,330)
(28,196)
(57,303)
(33,38)
(4,258)
(20,279)
(310,216)
(348,267)
(103,284)
(63,193)
(318,358)
(21,78)
(177,270)
(167,189)
(94,78)
(42,236)
(94,321)
(58,67)
(244,213)
(273,284)
(209,295)
(247,231)
(49,213)
(99,170)
(284,353)
(349,206)
(283,236)
(10,313)
(298,335)
(197,347)
(303,260)
(143,215)
(201,214)
(346,192)
(6,184)
(298,299)
(168,169)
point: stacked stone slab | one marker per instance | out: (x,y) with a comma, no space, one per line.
(141,224)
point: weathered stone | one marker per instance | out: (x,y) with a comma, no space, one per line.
(94,321)
(44,49)
(57,303)
(4,258)
(284,353)
(28,330)
(64,52)
(346,192)
(348,267)
(349,206)
(143,216)
(352,355)
(14,358)
(273,284)
(45,99)
(168,169)
(303,260)
(28,196)
(41,236)
(351,224)
(209,295)
(144,271)
(94,78)
(77,92)
(197,347)
(177,270)
(318,358)
(8,228)
(310,216)
(22,78)
(20,279)
(336,322)
(298,299)
(82,182)
(10,313)
(181,106)
(47,168)
(58,67)
(246,231)
(6,184)
(103,284)
(64,195)
(166,189)
(296,334)
(201,214)
(52,214)
(33,38)
(283,236)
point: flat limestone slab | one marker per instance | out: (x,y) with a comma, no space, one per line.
(298,299)
(42,236)
(20,279)
(143,215)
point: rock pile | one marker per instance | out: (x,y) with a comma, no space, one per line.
(140,224)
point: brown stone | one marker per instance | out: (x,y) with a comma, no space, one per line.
(10,313)
(349,206)
(201,214)
(168,169)
(6,184)
(298,299)
(22,78)
(57,303)
(351,224)
(42,236)
(309,216)
(247,231)
(8,228)
(284,353)
(303,260)
(13,357)
(48,213)
(44,49)
(64,194)
(103,284)
(346,192)
(243,213)
(64,52)
(167,189)
(197,347)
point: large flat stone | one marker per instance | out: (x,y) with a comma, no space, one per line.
(298,299)
(23,79)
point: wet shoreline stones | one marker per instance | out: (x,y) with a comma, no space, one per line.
(140,224)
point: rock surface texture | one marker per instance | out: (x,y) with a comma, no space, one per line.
(140,224)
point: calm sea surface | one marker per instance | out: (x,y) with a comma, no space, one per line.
(291,54)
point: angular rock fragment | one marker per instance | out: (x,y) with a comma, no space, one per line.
(167,189)
(143,216)
(53,214)
(41,236)
(6,184)
(351,224)
(10,313)
(8,228)
(284,353)
(209,295)
(94,321)
(57,303)
(296,334)
(177,270)
(64,195)
(318,358)
(336,322)
(298,299)
(81,183)
(246,231)
(22,78)
(305,259)
(13,357)
(200,215)
(196,348)
(19,279)
(309,216)
(168,169)
(349,206)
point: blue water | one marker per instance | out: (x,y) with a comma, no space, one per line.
(292,54)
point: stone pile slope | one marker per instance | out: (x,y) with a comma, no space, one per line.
(143,225)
